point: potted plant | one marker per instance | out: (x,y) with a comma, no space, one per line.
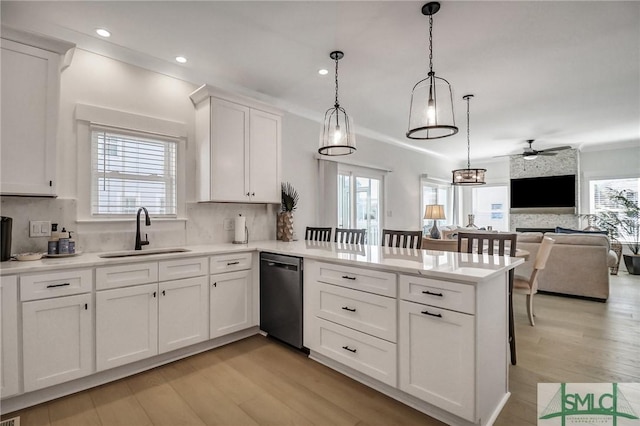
(285,217)
(622,221)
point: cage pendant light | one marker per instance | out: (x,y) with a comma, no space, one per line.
(431,110)
(337,136)
(468,176)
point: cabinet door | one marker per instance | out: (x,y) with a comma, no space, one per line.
(264,157)
(126,325)
(437,357)
(9,374)
(30,80)
(230,303)
(229,145)
(57,340)
(183,317)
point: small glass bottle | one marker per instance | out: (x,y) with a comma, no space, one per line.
(52,245)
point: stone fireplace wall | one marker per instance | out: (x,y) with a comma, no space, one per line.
(564,163)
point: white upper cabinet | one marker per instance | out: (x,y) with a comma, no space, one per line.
(238,148)
(30,98)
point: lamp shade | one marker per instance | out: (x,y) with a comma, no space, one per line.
(434,211)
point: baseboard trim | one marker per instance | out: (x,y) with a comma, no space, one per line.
(406,399)
(18,402)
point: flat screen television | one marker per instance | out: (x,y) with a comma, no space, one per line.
(548,192)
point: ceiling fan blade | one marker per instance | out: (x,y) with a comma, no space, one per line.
(557,148)
(546,153)
(506,155)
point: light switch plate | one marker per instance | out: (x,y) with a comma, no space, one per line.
(39,228)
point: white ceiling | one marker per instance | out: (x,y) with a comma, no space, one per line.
(563,73)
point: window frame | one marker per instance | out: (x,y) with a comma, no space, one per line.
(88,115)
(355,172)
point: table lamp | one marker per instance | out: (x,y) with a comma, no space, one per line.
(435,212)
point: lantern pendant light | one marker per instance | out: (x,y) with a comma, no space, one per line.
(337,136)
(468,176)
(431,110)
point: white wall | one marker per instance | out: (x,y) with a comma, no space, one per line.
(97,80)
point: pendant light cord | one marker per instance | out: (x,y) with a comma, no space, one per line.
(337,104)
(430,44)
(468,138)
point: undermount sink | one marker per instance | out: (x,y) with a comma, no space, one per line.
(129,253)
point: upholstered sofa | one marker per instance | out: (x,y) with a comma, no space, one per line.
(578,264)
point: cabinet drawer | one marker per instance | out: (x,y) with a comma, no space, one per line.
(126,275)
(369,280)
(366,312)
(369,355)
(183,268)
(54,284)
(443,294)
(229,262)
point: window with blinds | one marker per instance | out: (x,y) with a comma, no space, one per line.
(132,170)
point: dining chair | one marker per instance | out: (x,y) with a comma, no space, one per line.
(405,239)
(529,286)
(317,234)
(350,236)
(468,241)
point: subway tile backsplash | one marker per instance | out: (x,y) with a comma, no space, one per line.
(203,225)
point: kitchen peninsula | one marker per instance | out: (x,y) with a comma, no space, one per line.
(427,328)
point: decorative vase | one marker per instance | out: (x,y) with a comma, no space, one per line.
(632,262)
(285,226)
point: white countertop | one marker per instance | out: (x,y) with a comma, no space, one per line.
(438,264)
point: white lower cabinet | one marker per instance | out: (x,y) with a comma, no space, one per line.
(146,318)
(126,325)
(437,357)
(9,373)
(230,302)
(57,340)
(183,313)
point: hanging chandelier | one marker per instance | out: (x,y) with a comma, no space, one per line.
(468,176)
(337,136)
(431,110)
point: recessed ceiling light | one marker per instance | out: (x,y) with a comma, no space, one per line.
(181,59)
(103,33)
(323,71)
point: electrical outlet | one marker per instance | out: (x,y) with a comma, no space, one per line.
(229,225)
(39,228)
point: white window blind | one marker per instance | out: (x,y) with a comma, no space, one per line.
(132,170)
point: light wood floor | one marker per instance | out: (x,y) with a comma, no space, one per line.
(259,382)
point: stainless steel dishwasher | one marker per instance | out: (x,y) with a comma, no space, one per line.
(281,297)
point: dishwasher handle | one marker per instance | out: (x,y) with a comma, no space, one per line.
(281,265)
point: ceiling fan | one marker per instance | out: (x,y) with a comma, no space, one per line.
(528,153)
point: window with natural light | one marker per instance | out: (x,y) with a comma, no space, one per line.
(360,201)
(491,207)
(131,170)
(600,188)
